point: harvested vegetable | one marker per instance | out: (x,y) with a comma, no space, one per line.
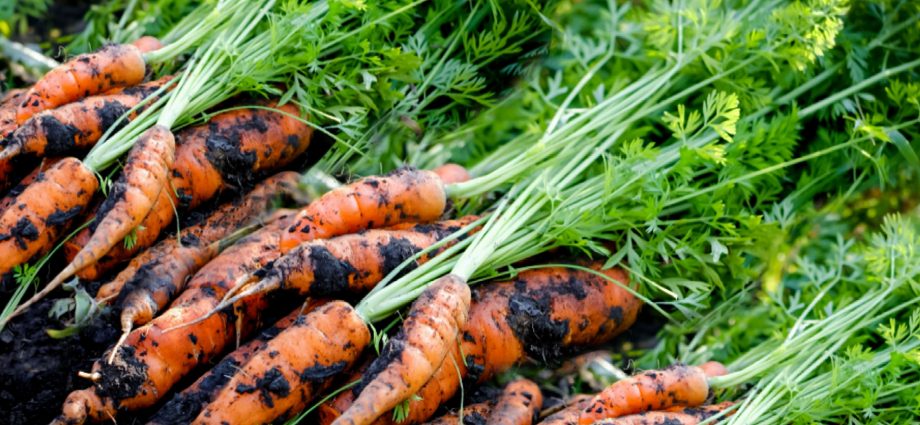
(25,182)
(292,369)
(405,195)
(411,358)
(472,414)
(568,415)
(678,385)
(519,404)
(673,416)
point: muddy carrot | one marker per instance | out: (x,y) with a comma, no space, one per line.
(677,385)
(233,148)
(152,361)
(472,414)
(292,369)
(673,416)
(70,128)
(43,210)
(155,283)
(8,107)
(143,177)
(568,415)
(186,405)
(405,195)
(519,404)
(25,182)
(114,65)
(350,263)
(411,358)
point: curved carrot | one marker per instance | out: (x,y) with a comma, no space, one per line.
(235,147)
(350,263)
(25,182)
(452,173)
(411,358)
(533,316)
(186,405)
(292,369)
(69,128)
(43,210)
(114,65)
(677,385)
(673,416)
(519,404)
(131,198)
(472,414)
(568,415)
(155,283)
(152,360)
(405,195)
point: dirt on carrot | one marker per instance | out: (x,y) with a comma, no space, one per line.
(519,404)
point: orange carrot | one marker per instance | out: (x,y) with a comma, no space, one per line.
(8,107)
(405,195)
(350,263)
(519,404)
(678,385)
(411,358)
(130,200)
(147,43)
(186,405)
(43,210)
(25,182)
(673,416)
(568,415)
(533,316)
(152,361)
(165,270)
(233,148)
(452,173)
(114,65)
(294,367)
(70,128)
(472,414)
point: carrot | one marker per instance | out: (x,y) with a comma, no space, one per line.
(350,263)
(8,108)
(405,195)
(673,416)
(75,126)
(544,313)
(677,385)
(233,148)
(43,210)
(294,367)
(152,361)
(25,182)
(472,414)
(186,405)
(165,270)
(411,358)
(114,65)
(452,173)
(568,415)
(147,43)
(534,315)
(519,404)
(130,200)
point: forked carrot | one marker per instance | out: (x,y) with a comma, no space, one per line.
(672,416)
(405,195)
(413,356)
(43,210)
(677,385)
(350,263)
(143,178)
(519,404)
(292,369)
(114,65)
(186,405)
(472,414)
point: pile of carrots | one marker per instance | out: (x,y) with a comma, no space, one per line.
(192,302)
